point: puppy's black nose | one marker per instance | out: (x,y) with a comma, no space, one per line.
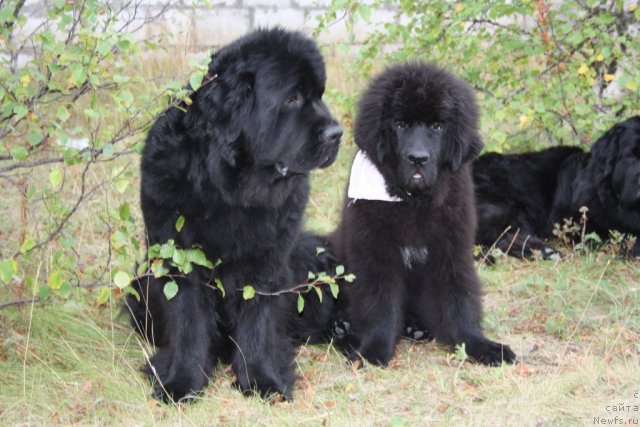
(418,158)
(332,134)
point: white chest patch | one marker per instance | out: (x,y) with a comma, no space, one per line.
(413,256)
(366,182)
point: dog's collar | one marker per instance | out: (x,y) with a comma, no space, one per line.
(366,182)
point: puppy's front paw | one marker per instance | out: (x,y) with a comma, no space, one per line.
(340,330)
(490,353)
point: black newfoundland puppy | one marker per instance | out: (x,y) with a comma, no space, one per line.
(408,221)
(235,164)
(526,194)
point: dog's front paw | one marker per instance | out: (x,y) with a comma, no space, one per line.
(174,380)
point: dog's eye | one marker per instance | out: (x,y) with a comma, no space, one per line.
(400,125)
(436,126)
(293,99)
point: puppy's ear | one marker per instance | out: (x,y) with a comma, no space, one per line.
(465,151)
(382,149)
(605,149)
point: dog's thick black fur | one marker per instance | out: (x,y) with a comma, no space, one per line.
(413,258)
(529,193)
(235,165)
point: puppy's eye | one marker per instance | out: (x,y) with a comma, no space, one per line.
(293,99)
(400,125)
(436,126)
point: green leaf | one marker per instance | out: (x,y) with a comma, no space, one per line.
(180,223)
(78,74)
(55,177)
(91,113)
(65,290)
(300,303)
(131,290)
(142,268)
(125,211)
(20,111)
(126,97)
(350,277)
(320,250)
(198,257)
(103,296)
(8,268)
(158,269)
(27,245)
(121,185)
(179,257)
(34,137)
(124,44)
(319,292)
(122,279)
(167,250)
(55,280)
(170,289)
(248,292)
(154,251)
(335,289)
(311,276)
(195,80)
(340,270)
(107,150)
(19,153)
(45,292)
(63,114)
(220,286)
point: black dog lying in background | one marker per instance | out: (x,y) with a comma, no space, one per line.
(520,197)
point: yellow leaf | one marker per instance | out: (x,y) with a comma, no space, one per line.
(633,7)
(591,81)
(458,8)
(25,80)
(524,121)
(583,69)
(608,77)
(631,86)
(600,57)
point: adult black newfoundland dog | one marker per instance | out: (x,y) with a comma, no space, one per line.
(235,164)
(526,194)
(408,221)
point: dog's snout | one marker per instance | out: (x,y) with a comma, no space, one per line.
(332,134)
(418,158)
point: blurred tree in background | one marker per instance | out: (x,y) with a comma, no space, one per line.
(547,72)
(78,90)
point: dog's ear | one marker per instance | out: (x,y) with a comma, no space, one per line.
(465,151)
(234,103)
(605,149)
(238,104)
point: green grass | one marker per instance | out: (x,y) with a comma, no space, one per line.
(574,323)
(76,363)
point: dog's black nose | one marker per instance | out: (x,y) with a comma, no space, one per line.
(418,158)
(332,134)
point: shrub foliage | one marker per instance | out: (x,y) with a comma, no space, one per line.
(75,105)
